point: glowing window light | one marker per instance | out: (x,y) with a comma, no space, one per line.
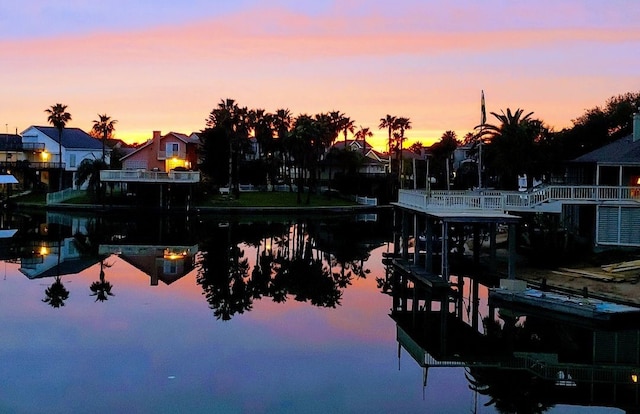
(634,378)
(44,251)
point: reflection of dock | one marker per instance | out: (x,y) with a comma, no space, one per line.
(428,279)
(544,358)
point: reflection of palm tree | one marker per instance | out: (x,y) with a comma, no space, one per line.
(102,288)
(222,269)
(56,294)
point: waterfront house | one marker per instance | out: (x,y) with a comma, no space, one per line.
(374,162)
(614,218)
(164,153)
(50,158)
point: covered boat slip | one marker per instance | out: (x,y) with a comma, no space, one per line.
(433,234)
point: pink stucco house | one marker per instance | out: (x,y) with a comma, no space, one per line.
(164,153)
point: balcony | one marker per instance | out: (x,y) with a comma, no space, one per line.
(33,146)
(165,155)
(142,176)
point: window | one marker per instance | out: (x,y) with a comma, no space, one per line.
(72,160)
(172,149)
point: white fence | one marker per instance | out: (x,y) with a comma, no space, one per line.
(367,201)
(64,195)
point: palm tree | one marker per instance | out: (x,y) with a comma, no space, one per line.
(401,124)
(282,125)
(512,147)
(89,170)
(234,121)
(389,123)
(362,134)
(104,127)
(58,117)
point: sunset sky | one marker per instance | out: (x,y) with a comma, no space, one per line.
(164,65)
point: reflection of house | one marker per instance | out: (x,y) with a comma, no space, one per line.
(56,259)
(164,153)
(165,263)
(41,149)
(50,258)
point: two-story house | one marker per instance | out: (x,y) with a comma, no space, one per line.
(164,153)
(50,156)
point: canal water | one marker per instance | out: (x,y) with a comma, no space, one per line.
(216,314)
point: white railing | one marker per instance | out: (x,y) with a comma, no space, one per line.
(150,176)
(514,200)
(367,201)
(163,155)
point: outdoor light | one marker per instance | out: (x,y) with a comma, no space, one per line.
(44,251)
(45,155)
(170,254)
(634,378)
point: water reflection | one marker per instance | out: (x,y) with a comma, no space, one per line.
(524,361)
(306,259)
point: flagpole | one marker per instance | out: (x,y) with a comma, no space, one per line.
(483,120)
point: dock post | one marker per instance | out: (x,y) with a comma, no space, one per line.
(444,268)
(405,235)
(512,251)
(476,245)
(428,260)
(492,248)
(416,240)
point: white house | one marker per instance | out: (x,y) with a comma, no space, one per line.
(65,156)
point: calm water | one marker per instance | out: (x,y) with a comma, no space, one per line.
(141,314)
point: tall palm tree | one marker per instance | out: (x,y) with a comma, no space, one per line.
(402,124)
(388,123)
(104,126)
(58,117)
(282,125)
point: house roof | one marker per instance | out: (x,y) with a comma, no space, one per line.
(622,151)
(10,142)
(193,138)
(72,137)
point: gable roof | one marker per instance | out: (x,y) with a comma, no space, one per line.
(189,139)
(622,151)
(72,137)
